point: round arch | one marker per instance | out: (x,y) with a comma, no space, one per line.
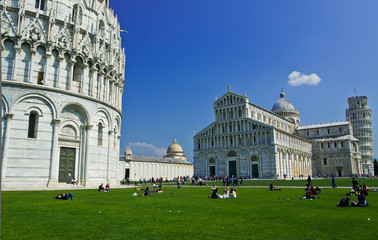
(36,95)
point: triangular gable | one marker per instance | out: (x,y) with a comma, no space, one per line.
(34,31)
(85,46)
(7,25)
(229,94)
(62,38)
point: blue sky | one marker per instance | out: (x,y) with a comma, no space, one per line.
(181,54)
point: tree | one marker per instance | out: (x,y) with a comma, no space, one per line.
(375,166)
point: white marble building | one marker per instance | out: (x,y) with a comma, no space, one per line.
(246,140)
(63,80)
(172,165)
(360,116)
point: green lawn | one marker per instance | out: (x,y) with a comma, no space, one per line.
(186,214)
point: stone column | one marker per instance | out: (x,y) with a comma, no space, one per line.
(54,159)
(83,78)
(108,157)
(60,58)
(48,55)
(86,160)
(17,50)
(72,65)
(93,74)
(101,80)
(6,134)
(30,72)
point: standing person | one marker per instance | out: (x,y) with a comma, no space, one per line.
(178,184)
(333,182)
(355,184)
(309,180)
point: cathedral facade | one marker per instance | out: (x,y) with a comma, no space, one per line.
(63,79)
(248,141)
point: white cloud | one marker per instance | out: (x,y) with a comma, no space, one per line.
(146,149)
(297,78)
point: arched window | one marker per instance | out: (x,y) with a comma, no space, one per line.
(33,125)
(77,14)
(101,29)
(231,153)
(40,4)
(77,70)
(100,134)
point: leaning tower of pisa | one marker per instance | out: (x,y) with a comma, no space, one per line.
(359,114)
(63,79)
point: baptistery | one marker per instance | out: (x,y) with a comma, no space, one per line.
(63,79)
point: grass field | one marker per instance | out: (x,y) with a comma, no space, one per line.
(186,214)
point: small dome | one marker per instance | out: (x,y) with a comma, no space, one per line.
(283,104)
(174,149)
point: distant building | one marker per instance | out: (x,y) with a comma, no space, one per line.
(246,140)
(63,80)
(172,165)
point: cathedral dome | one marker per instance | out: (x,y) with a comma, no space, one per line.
(283,105)
(174,149)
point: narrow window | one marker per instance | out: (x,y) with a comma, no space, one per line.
(321,145)
(335,143)
(308,133)
(317,132)
(328,131)
(33,125)
(340,129)
(100,134)
(40,78)
(325,161)
(328,145)
(342,144)
(40,4)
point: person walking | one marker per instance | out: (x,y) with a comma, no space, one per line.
(333,182)
(178,184)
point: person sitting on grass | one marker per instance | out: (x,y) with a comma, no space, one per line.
(309,194)
(272,188)
(352,192)
(225,193)
(317,191)
(101,188)
(154,185)
(107,188)
(233,193)
(344,202)
(64,196)
(215,194)
(361,201)
(147,192)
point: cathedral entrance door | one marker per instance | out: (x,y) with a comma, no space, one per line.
(339,172)
(212,171)
(67,164)
(255,170)
(232,168)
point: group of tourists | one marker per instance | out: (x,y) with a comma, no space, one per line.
(232,181)
(360,191)
(225,194)
(101,188)
(312,192)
